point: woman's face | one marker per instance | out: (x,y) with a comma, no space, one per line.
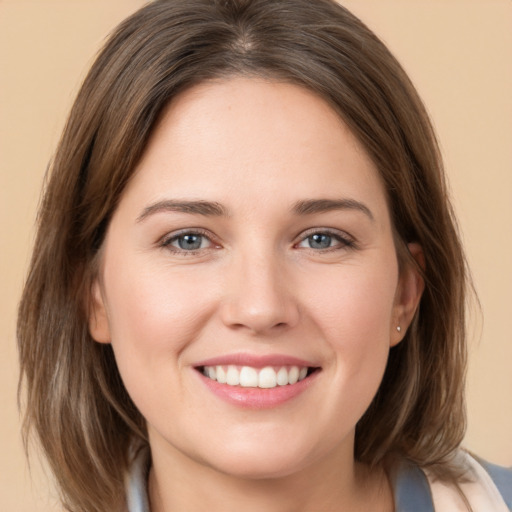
(253,244)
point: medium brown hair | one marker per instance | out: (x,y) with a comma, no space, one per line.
(75,399)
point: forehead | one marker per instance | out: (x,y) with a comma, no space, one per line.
(253,137)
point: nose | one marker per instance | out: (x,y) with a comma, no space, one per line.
(259,296)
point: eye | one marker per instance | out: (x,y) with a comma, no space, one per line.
(187,241)
(325,240)
(319,241)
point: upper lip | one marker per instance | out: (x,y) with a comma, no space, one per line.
(256,361)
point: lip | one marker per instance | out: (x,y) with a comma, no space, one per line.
(256,398)
(256,361)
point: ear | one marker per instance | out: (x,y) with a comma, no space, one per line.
(408,294)
(98,319)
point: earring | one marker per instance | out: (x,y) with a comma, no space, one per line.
(398,328)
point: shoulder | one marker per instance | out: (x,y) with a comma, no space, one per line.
(486,487)
(136,481)
(497,477)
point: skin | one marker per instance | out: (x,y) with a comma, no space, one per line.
(256,286)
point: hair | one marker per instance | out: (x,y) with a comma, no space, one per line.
(74,398)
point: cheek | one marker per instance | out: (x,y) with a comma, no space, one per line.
(153,315)
(354,315)
(354,305)
(153,307)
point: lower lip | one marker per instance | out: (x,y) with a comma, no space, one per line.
(258,398)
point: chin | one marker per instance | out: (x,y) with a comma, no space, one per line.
(262,468)
(260,461)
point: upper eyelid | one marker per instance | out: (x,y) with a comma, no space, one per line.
(345,240)
(327,231)
(169,237)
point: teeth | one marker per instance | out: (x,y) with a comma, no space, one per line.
(282,376)
(232,376)
(267,378)
(249,377)
(293,376)
(221,375)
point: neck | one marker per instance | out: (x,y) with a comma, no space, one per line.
(335,484)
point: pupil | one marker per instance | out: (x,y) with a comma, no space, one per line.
(320,241)
(190,242)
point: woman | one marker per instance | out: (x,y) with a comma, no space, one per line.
(247,286)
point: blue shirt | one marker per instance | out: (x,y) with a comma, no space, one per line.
(412,491)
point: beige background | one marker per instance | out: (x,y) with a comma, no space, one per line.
(458,52)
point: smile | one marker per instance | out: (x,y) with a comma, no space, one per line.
(257,381)
(249,377)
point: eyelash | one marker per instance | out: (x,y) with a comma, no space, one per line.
(174,237)
(344,241)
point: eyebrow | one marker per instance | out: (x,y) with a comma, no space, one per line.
(312,206)
(207,208)
(211,208)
